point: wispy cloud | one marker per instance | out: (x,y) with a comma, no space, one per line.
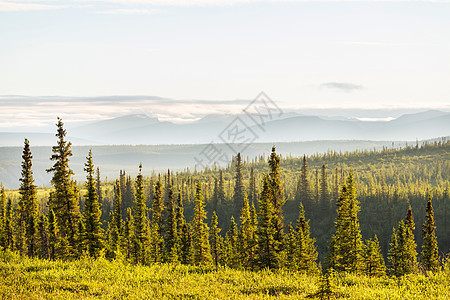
(6,6)
(342,86)
(126,11)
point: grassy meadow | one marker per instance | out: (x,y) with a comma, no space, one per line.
(27,278)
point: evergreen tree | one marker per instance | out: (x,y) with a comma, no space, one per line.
(64,201)
(216,241)
(80,238)
(307,253)
(303,194)
(92,212)
(140,237)
(373,260)
(394,254)
(324,191)
(156,225)
(246,240)
(252,188)
(276,196)
(268,247)
(171,237)
(54,240)
(200,241)
(430,255)
(292,250)
(187,251)
(231,246)
(221,191)
(28,206)
(346,245)
(8,227)
(408,246)
(43,238)
(128,234)
(238,196)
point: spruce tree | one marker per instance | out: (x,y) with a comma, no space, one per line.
(324,192)
(394,254)
(408,246)
(171,237)
(303,194)
(268,247)
(430,255)
(307,252)
(187,251)
(128,234)
(200,241)
(238,196)
(115,224)
(232,254)
(276,196)
(64,201)
(292,250)
(140,226)
(2,214)
(8,227)
(156,225)
(373,260)
(246,238)
(53,235)
(28,206)
(92,212)
(221,192)
(345,252)
(252,188)
(216,241)
(43,238)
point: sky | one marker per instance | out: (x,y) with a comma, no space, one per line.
(303,54)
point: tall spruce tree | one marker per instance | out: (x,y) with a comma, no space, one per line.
(140,237)
(246,238)
(324,191)
(303,193)
(216,241)
(92,212)
(307,252)
(232,255)
(64,200)
(276,196)
(345,252)
(28,206)
(252,188)
(156,225)
(430,254)
(200,241)
(171,238)
(268,247)
(238,196)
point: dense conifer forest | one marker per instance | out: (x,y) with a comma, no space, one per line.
(369,213)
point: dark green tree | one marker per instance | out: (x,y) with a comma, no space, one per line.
(156,225)
(373,260)
(232,255)
(92,212)
(306,253)
(430,254)
(171,238)
(8,227)
(200,241)
(28,206)
(268,247)
(216,241)
(239,189)
(43,238)
(246,238)
(64,199)
(140,237)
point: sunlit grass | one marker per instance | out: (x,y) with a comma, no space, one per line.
(26,278)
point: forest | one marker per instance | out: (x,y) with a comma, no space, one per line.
(375,215)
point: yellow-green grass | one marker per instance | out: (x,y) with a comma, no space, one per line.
(25,278)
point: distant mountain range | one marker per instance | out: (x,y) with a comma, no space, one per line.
(139,129)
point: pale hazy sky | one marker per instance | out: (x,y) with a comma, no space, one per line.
(366,54)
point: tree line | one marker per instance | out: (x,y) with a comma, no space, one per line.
(160,233)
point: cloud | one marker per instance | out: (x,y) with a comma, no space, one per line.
(342,86)
(126,11)
(6,6)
